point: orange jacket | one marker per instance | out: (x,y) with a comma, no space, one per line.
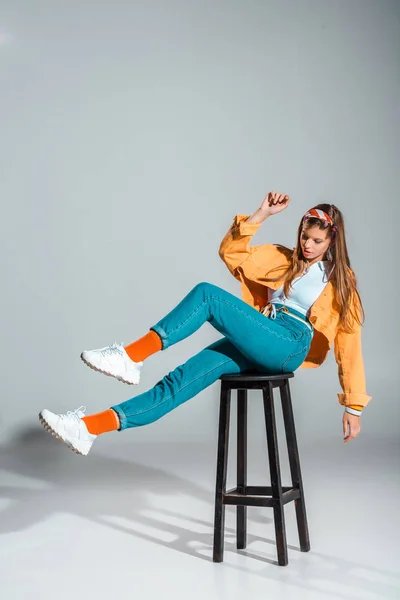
(251,265)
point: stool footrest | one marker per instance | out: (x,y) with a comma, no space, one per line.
(252,495)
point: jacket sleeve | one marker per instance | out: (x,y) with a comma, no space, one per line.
(235,247)
(349,358)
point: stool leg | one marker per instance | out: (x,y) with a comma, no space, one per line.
(222,462)
(294,462)
(276,484)
(241,473)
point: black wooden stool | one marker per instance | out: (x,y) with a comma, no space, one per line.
(244,495)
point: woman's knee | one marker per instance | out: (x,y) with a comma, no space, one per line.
(206,288)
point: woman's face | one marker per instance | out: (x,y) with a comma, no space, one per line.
(314,243)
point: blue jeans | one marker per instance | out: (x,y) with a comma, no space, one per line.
(251,341)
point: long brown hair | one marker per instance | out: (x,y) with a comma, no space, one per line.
(340,273)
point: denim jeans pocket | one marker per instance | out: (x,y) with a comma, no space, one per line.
(296,358)
(298,330)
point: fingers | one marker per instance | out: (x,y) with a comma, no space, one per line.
(351,426)
(274,198)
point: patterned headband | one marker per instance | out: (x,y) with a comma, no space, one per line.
(317,213)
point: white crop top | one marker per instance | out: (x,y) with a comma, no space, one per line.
(305,289)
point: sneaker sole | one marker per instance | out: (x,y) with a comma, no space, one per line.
(108,374)
(58,436)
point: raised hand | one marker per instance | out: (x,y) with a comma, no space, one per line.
(274,203)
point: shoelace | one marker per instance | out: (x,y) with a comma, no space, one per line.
(115,347)
(74,413)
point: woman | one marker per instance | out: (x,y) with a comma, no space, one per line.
(296,304)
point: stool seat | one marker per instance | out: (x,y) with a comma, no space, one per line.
(242,495)
(249,376)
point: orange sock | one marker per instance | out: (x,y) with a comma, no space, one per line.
(101,422)
(144,347)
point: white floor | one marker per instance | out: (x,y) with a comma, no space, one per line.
(135,520)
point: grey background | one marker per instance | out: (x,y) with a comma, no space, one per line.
(133,132)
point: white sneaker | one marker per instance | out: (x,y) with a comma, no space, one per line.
(69,428)
(114,361)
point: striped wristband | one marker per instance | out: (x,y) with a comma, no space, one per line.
(353,411)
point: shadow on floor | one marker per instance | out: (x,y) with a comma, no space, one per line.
(117,493)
